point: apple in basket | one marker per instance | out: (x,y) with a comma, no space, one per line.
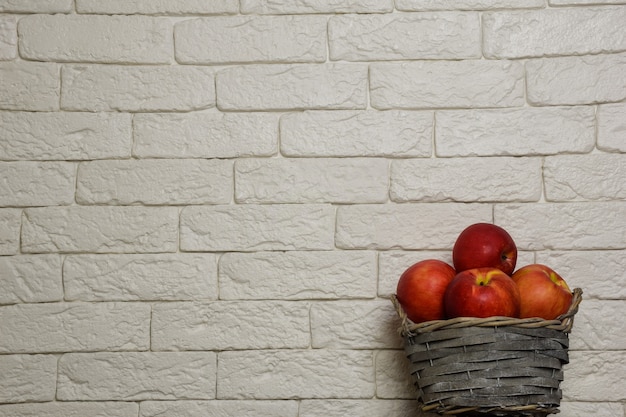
(421,287)
(543,292)
(482,292)
(484,245)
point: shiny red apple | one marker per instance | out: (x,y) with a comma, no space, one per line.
(543,292)
(484,245)
(482,292)
(421,287)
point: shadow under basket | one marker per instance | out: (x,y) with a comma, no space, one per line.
(498,366)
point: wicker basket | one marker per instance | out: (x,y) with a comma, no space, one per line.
(496,365)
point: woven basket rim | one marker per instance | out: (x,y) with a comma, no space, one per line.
(563,323)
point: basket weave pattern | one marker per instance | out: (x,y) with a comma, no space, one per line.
(497,365)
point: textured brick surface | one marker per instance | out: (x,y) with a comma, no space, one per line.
(298,275)
(443,36)
(516,132)
(257,227)
(250,39)
(8,38)
(99,229)
(471,83)
(230,325)
(422,5)
(385,226)
(25,378)
(311,181)
(205,206)
(345,133)
(64,136)
(140,277)
(154,182)
(555,32)
(157,7)
(136,88)
(280,87)
(31,279)
(71,409)
(37,183)
(31,87)
(205,135)
(576,80)
(296,374)
(121,39)
(132,376)
(474,180)
(74,327)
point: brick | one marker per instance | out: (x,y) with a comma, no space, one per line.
(280,408)
(30,279)
(422,5)
(71,409)
(576,80)
(64,136)
(436,84)
(585,177)
(266,39)
(344,408)
(588,370)
(612,127)
(230,325)
(37,183)
(8,38)
(404,36)
(206,135)
(584,409)
(515,132)
(253,228)
(157,7)
(564,226)
(140,277)
(136,376)
(583,2)
(319,6)
(599,273)
(368,226)
(137,88)
(155,182)
(318,373)
(100,229)
(391,265)
(286,87)
(354,180)
(466,179)
(10,223)
(25,378)
(353,325)
(298,275)
(31,86)
(393,377)
(356,133)
(50,6)
(575,31)
(60,327)
(118,39)
(595,327)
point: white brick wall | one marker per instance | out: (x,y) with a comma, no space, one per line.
(205,205)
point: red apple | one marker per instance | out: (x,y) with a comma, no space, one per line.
(482,292)
(543,292)
(484,245)
(421,287)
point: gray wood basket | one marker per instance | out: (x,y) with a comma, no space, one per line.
(497,366)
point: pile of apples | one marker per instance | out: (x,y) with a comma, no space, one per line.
(482,282)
